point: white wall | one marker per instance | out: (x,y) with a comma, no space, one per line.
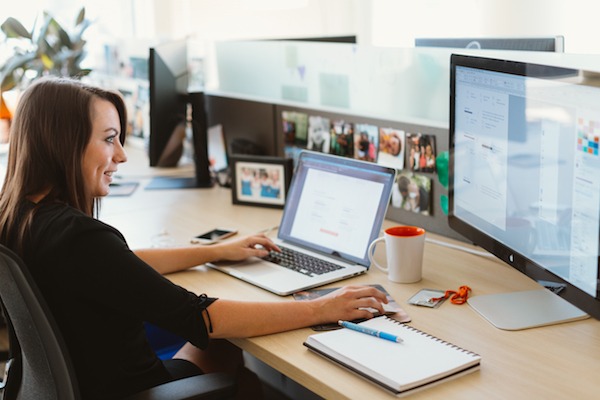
(383,22)
(379,22)
(134,24)
(387,23)
(216,20)
(397,23)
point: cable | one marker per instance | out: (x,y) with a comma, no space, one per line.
(461,248)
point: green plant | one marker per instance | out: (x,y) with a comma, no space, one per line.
(49,50)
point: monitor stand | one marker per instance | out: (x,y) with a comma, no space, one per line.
(522,310)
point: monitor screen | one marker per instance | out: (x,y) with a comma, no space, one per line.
(551,43)
(525,169)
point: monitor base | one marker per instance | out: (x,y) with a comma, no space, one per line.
(523,310)
(171,182)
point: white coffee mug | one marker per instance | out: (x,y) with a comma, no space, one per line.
(404,250)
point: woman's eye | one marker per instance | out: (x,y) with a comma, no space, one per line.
(110,139)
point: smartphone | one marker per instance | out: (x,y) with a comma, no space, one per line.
(213,236)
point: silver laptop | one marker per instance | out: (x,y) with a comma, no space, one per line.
(335,207)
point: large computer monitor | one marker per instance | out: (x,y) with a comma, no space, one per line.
(550,43)
(328,39)
(172,109)
(525,182)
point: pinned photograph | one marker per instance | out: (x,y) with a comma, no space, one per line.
(391,148)
(318,134)
(412,192)
(421,152)
(366,142)
(295,128)
(342,139)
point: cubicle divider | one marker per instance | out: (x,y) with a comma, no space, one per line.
(284,129)
(246,123)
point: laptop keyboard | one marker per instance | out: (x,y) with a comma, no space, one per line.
(300,262)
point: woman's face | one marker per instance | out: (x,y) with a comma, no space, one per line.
(104,151)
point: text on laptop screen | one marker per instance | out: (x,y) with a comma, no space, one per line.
(336,204)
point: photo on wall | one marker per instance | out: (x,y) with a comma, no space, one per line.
(318,134)
(295,128)
(366,142)
(420,152)
(412,192)
(342,138)
(391,148)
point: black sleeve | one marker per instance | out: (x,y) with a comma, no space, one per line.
(109,274)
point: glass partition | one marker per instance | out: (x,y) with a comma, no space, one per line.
(402,84)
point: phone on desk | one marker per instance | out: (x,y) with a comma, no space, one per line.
(213,236)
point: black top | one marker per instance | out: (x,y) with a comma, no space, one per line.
(100,293)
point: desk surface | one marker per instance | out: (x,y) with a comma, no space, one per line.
(560,361)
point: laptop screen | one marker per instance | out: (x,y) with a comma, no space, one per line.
(336,205)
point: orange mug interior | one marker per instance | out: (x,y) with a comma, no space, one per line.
(405,231)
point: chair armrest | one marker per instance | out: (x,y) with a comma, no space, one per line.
(200,387)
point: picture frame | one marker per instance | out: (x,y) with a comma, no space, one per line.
(261,181)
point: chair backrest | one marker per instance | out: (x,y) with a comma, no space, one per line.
(41,368)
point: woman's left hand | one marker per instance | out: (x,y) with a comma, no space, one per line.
(251,246)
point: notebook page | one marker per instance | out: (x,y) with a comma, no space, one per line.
(419,359)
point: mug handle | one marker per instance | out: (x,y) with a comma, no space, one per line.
(372,250)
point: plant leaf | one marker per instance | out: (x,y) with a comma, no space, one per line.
(52,50)
(80,16)
(63,36)
(7,82)
(14,29)
(17,61)
(40,37)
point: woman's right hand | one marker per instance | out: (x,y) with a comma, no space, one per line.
(349,303)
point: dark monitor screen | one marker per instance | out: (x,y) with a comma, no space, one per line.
(552,43)
(525,170)
(168,80)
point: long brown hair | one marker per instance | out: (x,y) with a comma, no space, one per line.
(49,133)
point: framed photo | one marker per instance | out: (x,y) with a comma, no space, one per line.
(260,180)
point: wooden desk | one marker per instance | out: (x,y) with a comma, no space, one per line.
(560,361)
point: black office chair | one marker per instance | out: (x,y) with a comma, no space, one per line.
(3,352)
(40,367)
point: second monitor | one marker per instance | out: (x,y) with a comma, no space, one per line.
(172,108)
(550,43)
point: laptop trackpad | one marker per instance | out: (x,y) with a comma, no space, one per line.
(253,267)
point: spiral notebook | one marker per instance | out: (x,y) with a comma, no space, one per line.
(420,361)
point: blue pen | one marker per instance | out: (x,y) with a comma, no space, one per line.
(370,331)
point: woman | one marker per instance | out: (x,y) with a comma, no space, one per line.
(66,143)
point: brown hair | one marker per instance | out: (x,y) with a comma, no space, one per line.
(49,134)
